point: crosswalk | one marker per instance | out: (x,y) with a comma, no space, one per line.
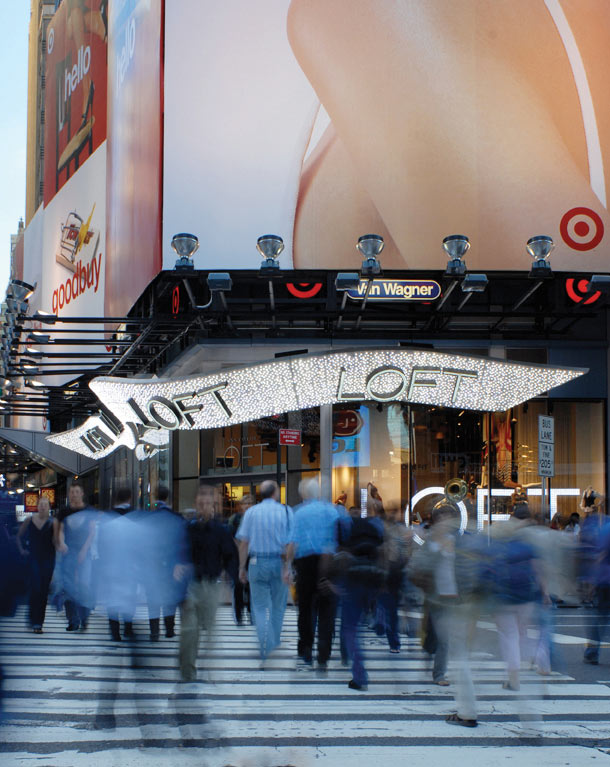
(80,699)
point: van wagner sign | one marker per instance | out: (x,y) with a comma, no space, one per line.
(145,410)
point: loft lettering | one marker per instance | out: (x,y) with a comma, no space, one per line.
(420,377)
(97,440)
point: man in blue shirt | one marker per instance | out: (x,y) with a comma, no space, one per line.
(314,537)
(264,535)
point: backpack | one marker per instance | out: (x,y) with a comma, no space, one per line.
(510,576)
(361,559)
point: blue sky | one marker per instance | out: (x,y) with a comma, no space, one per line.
(14,20)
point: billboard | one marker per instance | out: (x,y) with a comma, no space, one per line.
(134,151)
(75,90)
(323,120)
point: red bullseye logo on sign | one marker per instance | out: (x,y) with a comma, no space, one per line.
(304,289)
(581,229)
(579,292)
(176,300)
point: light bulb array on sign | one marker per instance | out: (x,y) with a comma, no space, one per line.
(149,408)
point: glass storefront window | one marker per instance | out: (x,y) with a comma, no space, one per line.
(238,458)
(406,455)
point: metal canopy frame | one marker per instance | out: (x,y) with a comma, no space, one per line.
(177,309)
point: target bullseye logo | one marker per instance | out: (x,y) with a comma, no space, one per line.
(581,229)
(579,291)
(176,300)
(304,289)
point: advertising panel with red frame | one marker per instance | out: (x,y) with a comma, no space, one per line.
(133,192)
(75,95)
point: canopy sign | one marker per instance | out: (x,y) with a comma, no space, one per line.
(146,410)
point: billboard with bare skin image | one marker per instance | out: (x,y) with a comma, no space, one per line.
(322,120)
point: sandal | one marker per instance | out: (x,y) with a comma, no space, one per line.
(455,719)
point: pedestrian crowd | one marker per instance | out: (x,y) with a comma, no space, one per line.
(346,568)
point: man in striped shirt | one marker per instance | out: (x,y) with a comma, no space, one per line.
(264,535)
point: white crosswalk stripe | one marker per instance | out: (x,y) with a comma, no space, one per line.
(80,699)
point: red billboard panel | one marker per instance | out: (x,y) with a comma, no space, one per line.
(133,191)
(75,95)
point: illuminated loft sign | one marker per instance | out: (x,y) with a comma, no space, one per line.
(397,290)
(145,410)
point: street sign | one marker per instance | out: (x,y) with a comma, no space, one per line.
(546,446)
(290,437)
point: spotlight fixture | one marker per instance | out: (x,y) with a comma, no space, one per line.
(347,281)
(474,283)
(370,245)
(219,281)
(456,246)
(21,290)
(540,248)
(15,306)
(599,282)
(31,384)
(38,337)
(185,245)
(270,247)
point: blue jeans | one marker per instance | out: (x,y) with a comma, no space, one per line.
(269,595)
(598,629)
(388,601)
(353,605)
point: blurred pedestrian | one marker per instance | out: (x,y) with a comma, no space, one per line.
(601,580)
(161,545)
(397,541)
(37,533)
(364,575)
(75,532)
(264,535)
(517,589)
(117,582)
(241,591)
(212,550)
(314,540)
(443,596)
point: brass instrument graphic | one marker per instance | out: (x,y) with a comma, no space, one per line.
(456,490)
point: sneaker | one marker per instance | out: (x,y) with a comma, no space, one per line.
(37,629)
(455,719)
(355,686)
(395,650)
(72,627)
(442,682)
(170,634)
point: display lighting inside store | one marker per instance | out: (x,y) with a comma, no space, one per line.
(246,394)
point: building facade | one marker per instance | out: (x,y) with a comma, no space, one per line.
(234,121)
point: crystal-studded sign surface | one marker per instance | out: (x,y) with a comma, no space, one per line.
(145,410)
